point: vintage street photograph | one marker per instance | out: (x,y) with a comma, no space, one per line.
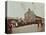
(24,17)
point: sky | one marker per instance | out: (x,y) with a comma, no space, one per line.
(18,9)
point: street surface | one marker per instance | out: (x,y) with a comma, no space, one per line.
(27,29)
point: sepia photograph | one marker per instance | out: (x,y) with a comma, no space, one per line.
(24,17)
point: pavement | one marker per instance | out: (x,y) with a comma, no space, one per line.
(28,29)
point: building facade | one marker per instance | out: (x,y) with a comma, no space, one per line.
(29,16)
